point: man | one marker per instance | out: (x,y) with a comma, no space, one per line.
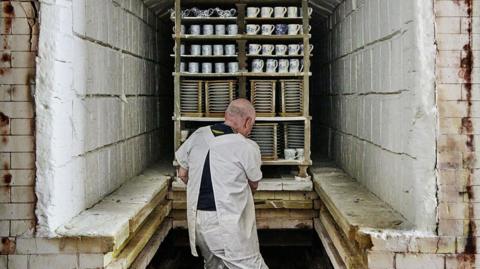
(221,167)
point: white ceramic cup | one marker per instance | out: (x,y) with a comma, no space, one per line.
(266,12)
(279,12)
(295,66)
(272,65)
(193,67)
(267,49)
(218,49)
(292,12)
(300,154)
(253,29)
(252,12)
(219,67)
(283,65)
(281,49)
(254,49)
(195,50)
(195,29)
(294,29)
(290,154)
(206,50)
(206,68)
(257,65)
(219,29)
(232,67)
(230,49)
(208,29)
(267,29)
(293,49)
(232,29)
(182,66)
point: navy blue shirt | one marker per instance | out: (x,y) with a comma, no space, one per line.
(206,198)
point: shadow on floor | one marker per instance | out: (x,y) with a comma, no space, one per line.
(174,254)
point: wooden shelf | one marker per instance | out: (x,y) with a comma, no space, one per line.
(276,56)
(242,74)
(218,119)
(207,19)
(279,75)
(243,37)
(286,162)
(276,20)
(210,37)
(205,56)
(209,75)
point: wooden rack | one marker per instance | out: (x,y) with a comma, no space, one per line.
(244,75)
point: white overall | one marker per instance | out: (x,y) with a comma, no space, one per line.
(233,160)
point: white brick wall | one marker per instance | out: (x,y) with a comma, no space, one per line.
(98,101)
(379,101)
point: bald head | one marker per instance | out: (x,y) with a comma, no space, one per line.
(240,108)
(240,115)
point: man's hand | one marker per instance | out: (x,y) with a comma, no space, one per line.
(253,185)
(182,173)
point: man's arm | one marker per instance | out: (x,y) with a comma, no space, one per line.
(182,173)
(253,185)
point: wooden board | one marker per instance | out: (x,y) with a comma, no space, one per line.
(135,245)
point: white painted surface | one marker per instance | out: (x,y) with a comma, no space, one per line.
(378,73)
(97,103)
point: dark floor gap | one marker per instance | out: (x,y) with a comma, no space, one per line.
(282,249)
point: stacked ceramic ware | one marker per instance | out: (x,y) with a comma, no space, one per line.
(191,103)
(265,134)
(262,95)
(294,135)
(218,94)
(291,97)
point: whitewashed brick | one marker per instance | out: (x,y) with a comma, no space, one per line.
(419,261)
(17,109)
(21,160)
(16,211)
(91,261)
(17,144)
(17,261)
(22,228)
(4,228)
(22,194)
(448,25)
(380,260)
(53,261)
(21,126)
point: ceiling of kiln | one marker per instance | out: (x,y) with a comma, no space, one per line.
(321,8)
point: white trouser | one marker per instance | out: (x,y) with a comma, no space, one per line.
(210,240)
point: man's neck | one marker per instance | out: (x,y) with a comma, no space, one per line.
(231,125)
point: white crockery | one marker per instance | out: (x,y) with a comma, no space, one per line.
(253,29)
(281,49)
(252,12)
(279,12)
(266,12)
(267,29)
(254,49)
(292,12)
(267,49)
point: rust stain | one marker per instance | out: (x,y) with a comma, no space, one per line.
(6,166)
(6,57)
(7,178)
(8,246)
(9,12)
(467,258)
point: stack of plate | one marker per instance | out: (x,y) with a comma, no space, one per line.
(294,135)
(219,93)
(265,134)
(191,97)
(262,94)
(292,97)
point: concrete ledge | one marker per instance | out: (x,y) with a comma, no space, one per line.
(348,214)
(119,215)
